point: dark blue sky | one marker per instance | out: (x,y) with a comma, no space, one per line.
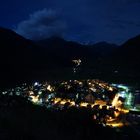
(114,21)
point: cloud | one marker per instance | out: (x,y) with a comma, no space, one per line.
(86,20)
(42,24)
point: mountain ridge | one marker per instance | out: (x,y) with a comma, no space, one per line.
(21,58)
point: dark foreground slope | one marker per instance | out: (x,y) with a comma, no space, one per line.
(21,120)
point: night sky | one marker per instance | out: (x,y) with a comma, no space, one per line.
(88,21)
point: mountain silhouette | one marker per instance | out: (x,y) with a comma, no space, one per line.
(15,56)
(25,60)
(127,58)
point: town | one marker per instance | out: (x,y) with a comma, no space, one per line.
(107,103)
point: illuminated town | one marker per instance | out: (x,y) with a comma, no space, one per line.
(109,104)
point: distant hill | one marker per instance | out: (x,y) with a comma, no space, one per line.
(133,42)
(12,45)
(69,50)
(127,56)
(16,56)
(63,51)
(131,49)
(76,49)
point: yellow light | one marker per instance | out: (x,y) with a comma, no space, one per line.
(115,100)
(115,124)
(56,100)
(63,102)
(89,83)
(111,119)
(100,102)
(35,99)
(31,93)
(80,83)
(125,111)
(72,103)
(77,61)
(116,113)
(84,104)
(49,88)
(110,89)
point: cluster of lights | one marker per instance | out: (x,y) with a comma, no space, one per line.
(47,93)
